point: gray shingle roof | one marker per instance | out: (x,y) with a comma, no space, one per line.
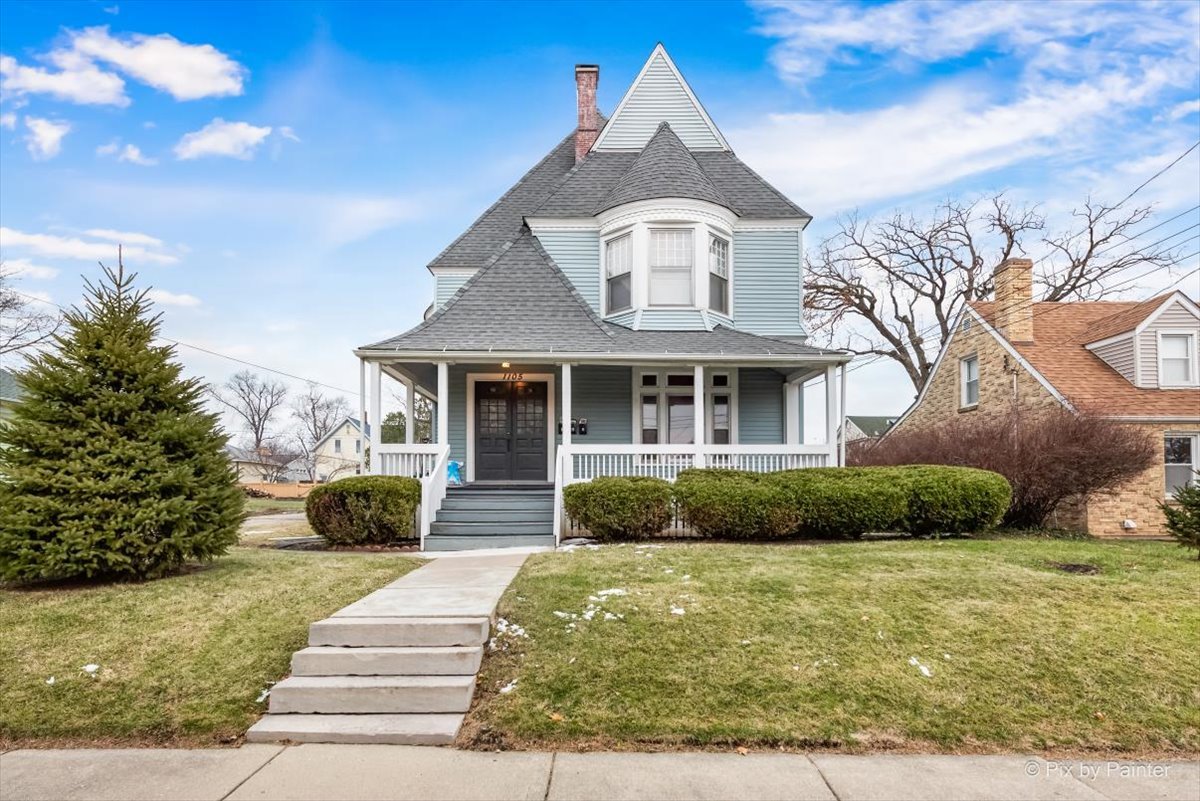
(664,168)
(521,302)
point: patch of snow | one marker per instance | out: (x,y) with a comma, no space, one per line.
(508,688)
(668,570)
(607,593)
(925,671)
(745,642)
(266,692)
(91,669)
(50,681)
(678,610)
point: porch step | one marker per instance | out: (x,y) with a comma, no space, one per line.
(486,528)
(378,695)
(467,542)
(485,515)
(330,660)
(388,632)
(430,729)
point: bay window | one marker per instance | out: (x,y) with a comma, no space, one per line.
(618,272)
(718,274)
(670,266)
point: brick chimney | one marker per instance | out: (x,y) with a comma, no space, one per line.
(587,77)
(1013,280)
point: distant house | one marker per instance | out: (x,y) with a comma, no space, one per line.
(1137,362)
(338,454)
(10,393)
(262,467)
(860,427)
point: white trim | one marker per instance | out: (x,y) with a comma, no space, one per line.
(376,404)
(585,357)
(438,271)
(1194,436)
(551,419)
(1193,356)
(963,402)
(661,391)
(1176,297)
(1104,343)
(658,50)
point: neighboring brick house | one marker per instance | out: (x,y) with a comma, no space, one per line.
(1132,361)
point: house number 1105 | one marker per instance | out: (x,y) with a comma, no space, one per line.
(514,377)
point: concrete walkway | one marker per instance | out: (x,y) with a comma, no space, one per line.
(368,772)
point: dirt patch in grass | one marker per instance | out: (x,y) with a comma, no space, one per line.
(1076,568)
(954,647)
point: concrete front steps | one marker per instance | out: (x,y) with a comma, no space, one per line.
(396,667)
(481,516)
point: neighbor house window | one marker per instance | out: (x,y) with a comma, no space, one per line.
(618,270)
(1180,460)
(969,368)
(1176,359)
(671,267)
(337,446)
(358,446)
(718,274)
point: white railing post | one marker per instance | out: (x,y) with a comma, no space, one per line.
(792,391)
(698,403)
(376,418)
(443,404)
(842,420)
(831,422)
(433,491)
(566,404)
(410,417)
(362,418)
(560,478)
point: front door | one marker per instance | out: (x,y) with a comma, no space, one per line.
(510,431)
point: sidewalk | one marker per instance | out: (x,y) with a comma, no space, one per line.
(367,772)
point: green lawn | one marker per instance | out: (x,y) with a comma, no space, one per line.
(181,661)
(805,646)
(273,506)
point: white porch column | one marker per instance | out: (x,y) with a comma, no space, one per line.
(831,412)
(410,418)
(698,403)
(842,420)
(566,405)
(362,417)
(792,392)
(443,404)
(375,418)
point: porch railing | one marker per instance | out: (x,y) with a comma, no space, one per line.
(433,490)
(412,461)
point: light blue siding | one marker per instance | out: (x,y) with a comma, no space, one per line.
(577,254)
(458,400)
(766,282)
(760,406)
(603,395)
(660,97)
(672,320)
(626,319)
(447,285)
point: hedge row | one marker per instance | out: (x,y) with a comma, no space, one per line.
(364,510)
(822,503)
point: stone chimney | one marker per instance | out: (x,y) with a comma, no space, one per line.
(587,77)
(1014,299)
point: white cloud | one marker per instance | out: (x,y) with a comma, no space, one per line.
(78,81)
(8,120)
(1185,109)
(287,133)
(166,298)
(124,237)
(62,247)
(238,140)
(356,218)
(114,10)
(44,139)
(24,268)
(133,155)
(185,71)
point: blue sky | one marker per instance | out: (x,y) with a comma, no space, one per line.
(281,173)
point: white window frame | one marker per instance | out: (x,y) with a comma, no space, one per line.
(963,402)
(1192,359)
(337,445)
(1195,438)
(730,389)
(651,230)
(661,390)
(627,234)
(727,241)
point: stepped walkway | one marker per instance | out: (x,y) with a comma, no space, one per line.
(397,666)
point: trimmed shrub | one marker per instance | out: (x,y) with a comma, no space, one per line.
(952,499)
(844,503)
(620,508)
(731,504)
(364,510)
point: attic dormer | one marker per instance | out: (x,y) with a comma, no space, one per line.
(1153,345)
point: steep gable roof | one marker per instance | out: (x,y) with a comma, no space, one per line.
(659,94)
(664,168)
(1125,320)
(1057,352)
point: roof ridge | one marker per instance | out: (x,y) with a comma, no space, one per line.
(767,184)
(566,176)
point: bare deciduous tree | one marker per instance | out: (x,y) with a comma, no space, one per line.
(316,415)
(21,324)
(253,399)
(900,282)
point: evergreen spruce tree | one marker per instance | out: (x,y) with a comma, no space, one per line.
(110,467)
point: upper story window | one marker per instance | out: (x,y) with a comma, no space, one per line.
(618,271)
(671,264)
(337,446)
(969,374)
(1176,359)
(718,274)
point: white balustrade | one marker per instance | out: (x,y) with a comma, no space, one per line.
(412,461)
(433,489)
(585,462)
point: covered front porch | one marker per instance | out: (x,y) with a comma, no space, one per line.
(521,421)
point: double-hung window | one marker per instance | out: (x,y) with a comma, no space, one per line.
(1176,359)
(1181,460)
(969,372)
(618,271)
(337,446)
(671,257)
(718,274)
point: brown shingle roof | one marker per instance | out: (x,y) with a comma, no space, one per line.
(1060,331)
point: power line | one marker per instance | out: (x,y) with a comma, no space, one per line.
(210,352)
